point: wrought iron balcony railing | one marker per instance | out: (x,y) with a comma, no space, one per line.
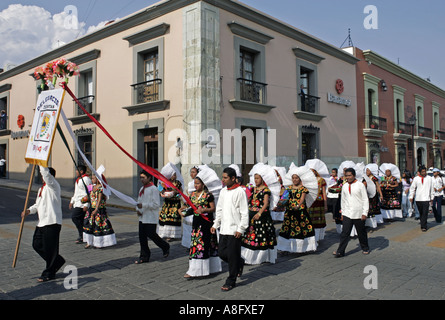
(309,103)
(424,132)
(252,91)
(87,103)
(147,91)
(377,123)
(439,135)
(403,128)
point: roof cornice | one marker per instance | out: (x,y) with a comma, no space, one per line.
(379,61)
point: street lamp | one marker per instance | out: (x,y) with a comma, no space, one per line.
(412,121)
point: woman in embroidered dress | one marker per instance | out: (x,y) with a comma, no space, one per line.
(98,231)
(203,257)
(259,241)
(297,233)
(318,209)
(188,220)
(390,207)
(374,214)
(279,215)
(169,217)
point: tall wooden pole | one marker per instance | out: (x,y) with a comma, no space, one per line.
(23,219)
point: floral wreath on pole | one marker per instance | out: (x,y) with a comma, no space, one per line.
(60,68)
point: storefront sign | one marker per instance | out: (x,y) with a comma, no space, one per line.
(339,100)
(20,135)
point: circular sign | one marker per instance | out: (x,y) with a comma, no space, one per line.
(21,121)
(339,86)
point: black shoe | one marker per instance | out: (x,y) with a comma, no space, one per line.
(167,252)
(240,273)
(338,255)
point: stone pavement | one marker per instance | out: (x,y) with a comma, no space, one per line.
(409,265)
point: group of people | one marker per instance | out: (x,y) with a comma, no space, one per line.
(234,221)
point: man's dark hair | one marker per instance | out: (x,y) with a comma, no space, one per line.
(145,173)
(230,172)
(335,169)
(52,171)
(82,168)
(421,168)
(350,170)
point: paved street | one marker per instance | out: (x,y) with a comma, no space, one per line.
(409,264)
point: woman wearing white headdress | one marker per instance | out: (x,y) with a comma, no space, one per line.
(169,217)
(279,215)
(374,214)
(297,233)
(187,221)
(317,211)
(391,205)
(259,241)
(203,256)
(98,231)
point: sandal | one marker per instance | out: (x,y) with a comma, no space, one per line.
(187,276)
(140,261)
(227,287)
(365,252)
(44,279)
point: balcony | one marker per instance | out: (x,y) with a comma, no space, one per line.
(147,91)
(424,132)
(375,126)
(252,96)
(147,97)
(88,104)
(403,128)
(252,91)
(309,108)
(309,103)
(440,135)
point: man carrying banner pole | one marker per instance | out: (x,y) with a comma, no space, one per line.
(47,233)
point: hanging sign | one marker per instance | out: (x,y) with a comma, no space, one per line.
(44,127)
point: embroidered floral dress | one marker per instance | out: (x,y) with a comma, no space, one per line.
(390,206)
(98,231)
(374,203)
(317,211)
(260,236)
(297,233)
(169,217)
(203,254)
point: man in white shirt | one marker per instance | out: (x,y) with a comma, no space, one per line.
(2,167)
(422,191)
(232,217)
(148,213)
(355,207)
(438,186)
(76,205)
(46,236)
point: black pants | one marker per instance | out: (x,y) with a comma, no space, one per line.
(46,244)
(77,217)
(229,250)
(148,230)
(423,207)
(346,234)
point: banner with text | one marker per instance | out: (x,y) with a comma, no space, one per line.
(44,127)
